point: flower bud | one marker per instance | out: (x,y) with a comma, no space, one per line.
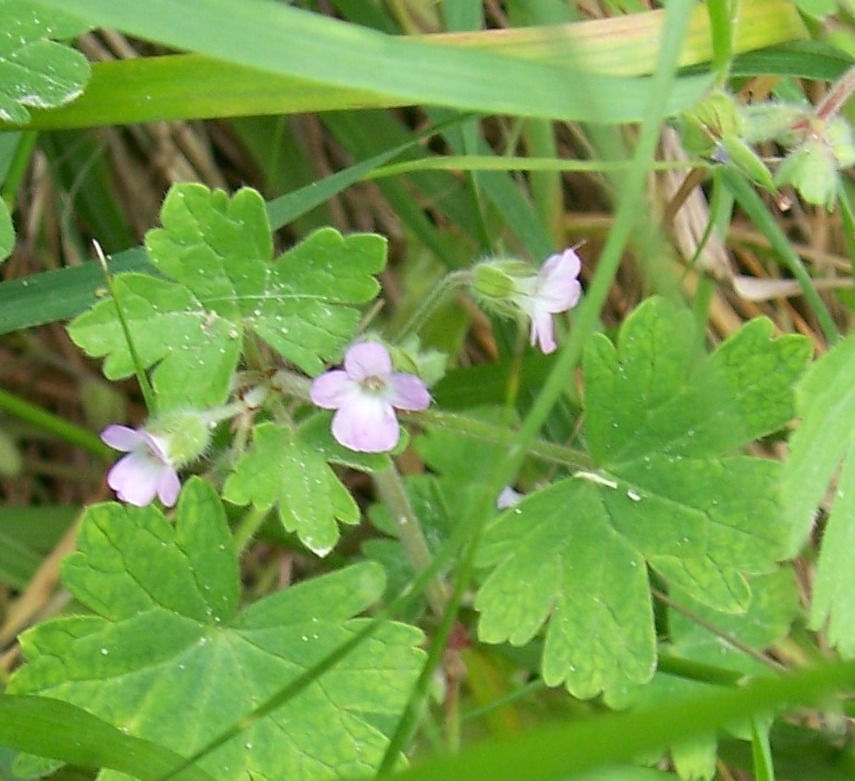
(497,280)
(704,125)
(428,364)
(743,157)
(185,435)
(514,288)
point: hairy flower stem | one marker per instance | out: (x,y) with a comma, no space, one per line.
(489,432)
(434,299)
(390,486)
(837,96)
(142,378)
(248,526)
(298,387)
(291,384)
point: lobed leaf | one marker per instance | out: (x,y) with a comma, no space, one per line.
(222,285)
(166,657)
(559,560)
(35,71)
(824,441)
(282,470)
(774,606)
(656,393)
(662,423)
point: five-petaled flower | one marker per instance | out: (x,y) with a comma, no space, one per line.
(555,289)
(365,395)
(147,471)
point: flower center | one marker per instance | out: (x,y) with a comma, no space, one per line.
(373,384)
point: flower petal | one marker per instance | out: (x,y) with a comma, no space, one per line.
(367,359)
(123,438)
(559,288)
(332,389)
(508,498)
(543,331)
(367,425)
(407,392)
(134,478)
(168,487)
(565,264)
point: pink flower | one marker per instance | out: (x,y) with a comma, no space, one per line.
(145,472)
(508,498)
(365,395)
(555,289)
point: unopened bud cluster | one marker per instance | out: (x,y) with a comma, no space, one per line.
(817,146)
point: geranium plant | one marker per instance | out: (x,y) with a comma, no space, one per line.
(498,477)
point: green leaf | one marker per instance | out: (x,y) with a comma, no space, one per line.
(774,606)
(824,440)
(34,70)
(834,588)
(166,657)
(558,751)
(654,393)
(575,571)
(65,733)
(218,250)
(405,70)
(7,232)
(65,293)
(282,470)
(816,8)
(662,423)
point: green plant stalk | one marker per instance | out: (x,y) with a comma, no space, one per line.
(560,751)
(392,493)
(546,186)
(510,698)
(756,210)
(488,432)
(586,317)
(678,14)
(761,750)
(436,298)
(697,671)
(467,17)
(831,104)
(53,424)
(726,637)
(142,377)
(462,579)
(721,33)
(20,164)
(514,163)
(249,524)
(848,218)
(298,386)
